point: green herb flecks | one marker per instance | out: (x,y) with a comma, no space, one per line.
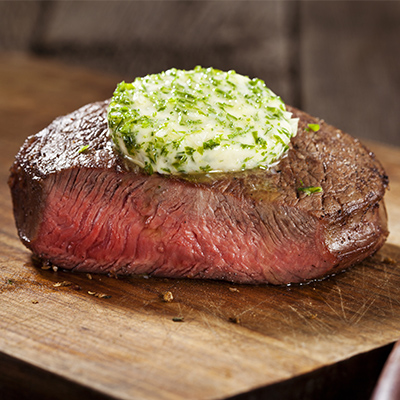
(205,168)
(197,121)
(313,127)
(309,190)
(212,143)
(83,149)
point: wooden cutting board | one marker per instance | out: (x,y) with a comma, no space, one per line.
(64,334)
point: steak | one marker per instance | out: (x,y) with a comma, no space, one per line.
(87,209)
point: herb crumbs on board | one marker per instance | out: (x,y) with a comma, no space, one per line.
(388,260)
(99,295)
(46,267)
(167,297)
(62,284)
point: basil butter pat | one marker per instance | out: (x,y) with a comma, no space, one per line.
(202,120)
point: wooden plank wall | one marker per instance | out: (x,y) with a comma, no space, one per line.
(339,60)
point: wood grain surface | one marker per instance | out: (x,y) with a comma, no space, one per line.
(118,338)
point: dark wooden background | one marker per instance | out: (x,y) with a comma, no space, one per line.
(339,60)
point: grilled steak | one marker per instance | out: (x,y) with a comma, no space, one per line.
(88,210)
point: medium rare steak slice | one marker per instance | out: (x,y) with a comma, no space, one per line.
(86,209)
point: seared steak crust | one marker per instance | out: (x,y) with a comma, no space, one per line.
(92,211)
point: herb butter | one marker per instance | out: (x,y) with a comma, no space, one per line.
(202,120)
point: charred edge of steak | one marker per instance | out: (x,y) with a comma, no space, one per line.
(27,196)
(286,235)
